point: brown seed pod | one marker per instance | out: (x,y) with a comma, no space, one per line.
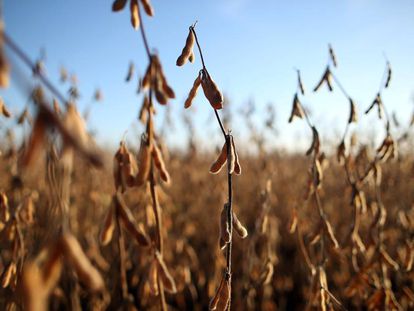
(222,296)
(267,274)
(164,274)
(161,97)
(125,168)
(231,157)
(56,107)
(297,110)
(220,161)
(8,275)
(36,142)
(86,272)
(191,58)
(389,74)
(143,112)
(315,142)
(193,92)
(39,282)
(293,222)
(52,268)
(3,109)
(237,167)
(147,7)
(187,50)
(162,84)
(23,117)
(152,278)
(144,162)
(225,236)
(327,76)
(135,22)
(353,113)
(4,65)
(330,232)
(35,297)
(318,173)
(159,164)
(109,227)
(129,221)
(388,260)
(300,84)
(4,208)
(409,256)
(130,73)
(146,80)
(118,5)
(340,153)
(238,227)
(211,91)
(377,102)
(332,56)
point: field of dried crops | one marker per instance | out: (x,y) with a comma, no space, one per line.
(147,228)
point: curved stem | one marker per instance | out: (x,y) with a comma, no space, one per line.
(198,46)
(340,86)
(144,37)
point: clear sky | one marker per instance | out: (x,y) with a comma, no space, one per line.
(250,47)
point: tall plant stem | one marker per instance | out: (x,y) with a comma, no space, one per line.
(229,205)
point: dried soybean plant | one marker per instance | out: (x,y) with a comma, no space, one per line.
(323,232)
(228,154)
(127,173)
(366,256)
(40,276)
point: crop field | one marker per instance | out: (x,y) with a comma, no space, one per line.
(237,225)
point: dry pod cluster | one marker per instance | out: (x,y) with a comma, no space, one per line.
(230,157)
(154,78)
(187,52)
(119,5)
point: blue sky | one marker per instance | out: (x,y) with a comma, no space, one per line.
(250,47)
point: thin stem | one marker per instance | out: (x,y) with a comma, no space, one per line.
(340,86)
(23,56)
(229,204)
(198,46)
(144,37)
(122,256)
(155,204)
(229,215)
(156,208)
(384,75)
(221,124)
